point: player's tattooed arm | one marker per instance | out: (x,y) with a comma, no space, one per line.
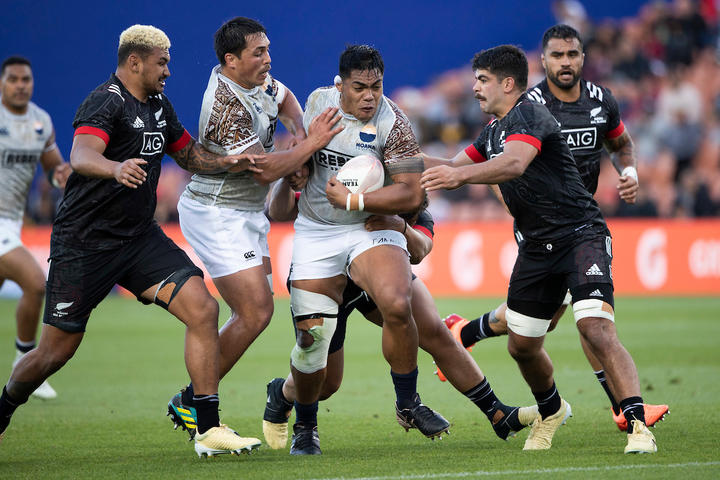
(406,165)
(623,157)
(195,158)
(622,150)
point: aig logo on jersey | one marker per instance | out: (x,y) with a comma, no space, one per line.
(581,138)
(153,142)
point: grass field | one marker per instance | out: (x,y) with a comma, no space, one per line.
(109,419)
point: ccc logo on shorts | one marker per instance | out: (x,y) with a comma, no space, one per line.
(249,255)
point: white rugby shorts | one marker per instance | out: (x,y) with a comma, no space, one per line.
(9,234)
(324,251)
(226,240)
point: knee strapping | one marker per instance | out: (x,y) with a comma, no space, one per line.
(525,325)
(173,283)
(592,307)
(319,312)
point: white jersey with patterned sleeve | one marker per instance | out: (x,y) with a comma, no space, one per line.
(232,119)
(387,136)
(23,140)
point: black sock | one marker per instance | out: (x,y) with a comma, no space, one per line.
(206,407)
(633,409)
(603,382)
(24,347)
(483,396)
(306,413)
(187,395)
(405,388)
(477,330)
(548,402)
(7,408)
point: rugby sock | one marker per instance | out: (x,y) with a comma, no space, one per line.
(187,395)
(548,402)
(633,409)
(483,396)
(405,388)
(7,408)
(24,347)
(206,407)
(603,382)
(478,329)
(306,414)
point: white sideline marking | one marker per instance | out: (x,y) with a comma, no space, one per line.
(486,473)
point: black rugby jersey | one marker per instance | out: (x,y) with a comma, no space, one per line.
(549,201)
(586,123)
(100,213)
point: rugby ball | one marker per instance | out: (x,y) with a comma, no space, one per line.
(362,174)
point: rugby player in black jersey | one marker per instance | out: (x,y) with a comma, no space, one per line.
(590,120)
(566,242)
(464,374)
(105,234)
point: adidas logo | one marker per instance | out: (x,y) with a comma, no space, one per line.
(596,293)
(594,270)
(138,123)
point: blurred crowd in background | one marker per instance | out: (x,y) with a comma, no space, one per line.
(663,67)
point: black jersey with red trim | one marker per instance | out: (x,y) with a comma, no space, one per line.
(549,201)
(99,213)
(585,123)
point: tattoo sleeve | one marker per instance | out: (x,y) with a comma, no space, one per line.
(622,151)
(195,158)
(397,166)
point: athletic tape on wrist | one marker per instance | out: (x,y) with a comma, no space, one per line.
(347,202)
(361,202)
(630,172)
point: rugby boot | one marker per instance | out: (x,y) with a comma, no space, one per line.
(430,423)
(305,440)
(221,440)
(44,391)
(514,420)
(653,414)
(641,440)
(455,323)
(182,415)
(275,418)
(542,431)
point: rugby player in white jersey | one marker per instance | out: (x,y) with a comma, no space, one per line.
(221,214)
(331,243)
(27,137)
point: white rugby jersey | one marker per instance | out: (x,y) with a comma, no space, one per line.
(387,136)
(23,140)
(233,118)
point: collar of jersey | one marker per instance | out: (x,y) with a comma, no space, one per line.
(21,116)
(230,81)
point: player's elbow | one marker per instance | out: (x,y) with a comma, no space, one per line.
(419,252)
(515,167)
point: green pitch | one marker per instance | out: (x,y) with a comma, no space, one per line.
(109,419)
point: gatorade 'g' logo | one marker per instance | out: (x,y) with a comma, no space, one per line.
(153,142)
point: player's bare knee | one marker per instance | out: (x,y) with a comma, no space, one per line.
(396,310)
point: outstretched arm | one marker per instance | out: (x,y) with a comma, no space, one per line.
(506,166)
(195,158)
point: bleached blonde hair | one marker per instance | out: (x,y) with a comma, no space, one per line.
(141,39)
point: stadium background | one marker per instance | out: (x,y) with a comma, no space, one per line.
(427,50)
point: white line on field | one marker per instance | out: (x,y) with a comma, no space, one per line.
(486,473)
